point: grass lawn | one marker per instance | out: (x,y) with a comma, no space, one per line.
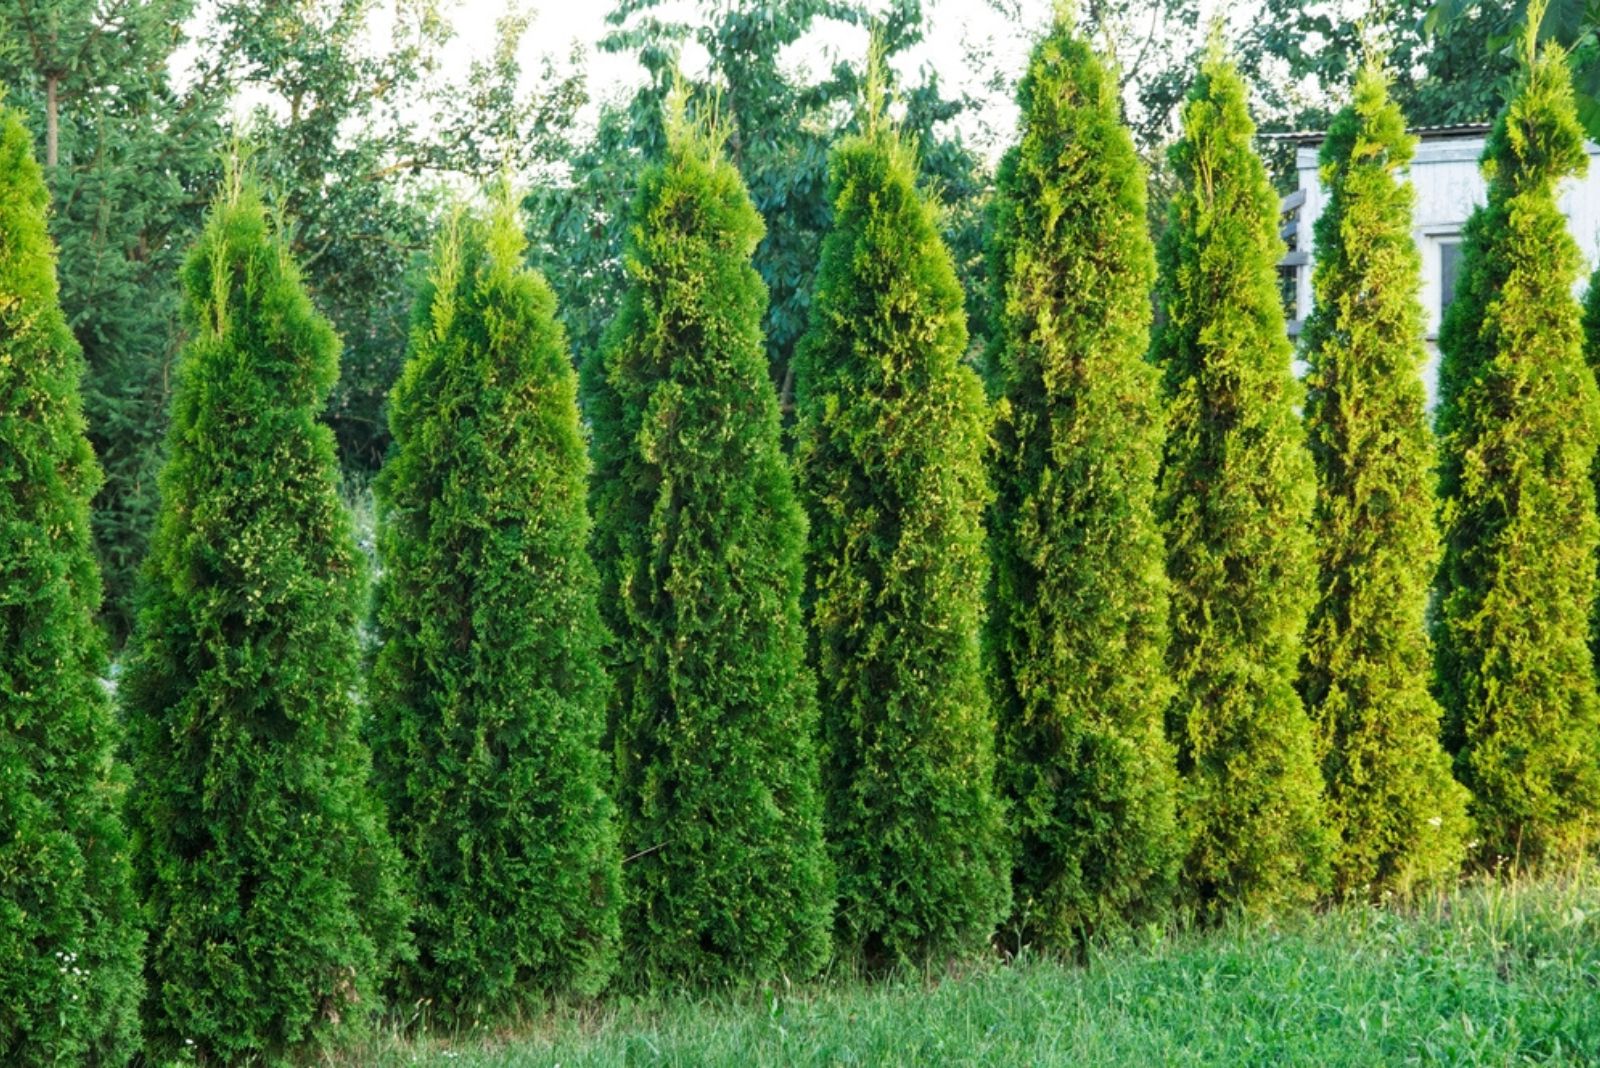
(1490,975)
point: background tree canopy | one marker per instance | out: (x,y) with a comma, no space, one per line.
(361,136)
(351,137)
(782,122)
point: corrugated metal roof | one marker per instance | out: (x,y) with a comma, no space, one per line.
(1424,133)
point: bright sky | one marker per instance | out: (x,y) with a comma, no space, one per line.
(1005,29)
(951,24)
(1009,26)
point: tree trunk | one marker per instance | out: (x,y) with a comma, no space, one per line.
(52,122)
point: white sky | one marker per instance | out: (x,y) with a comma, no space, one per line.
(952,27)
(950,23)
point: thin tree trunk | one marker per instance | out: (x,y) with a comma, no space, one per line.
(52,122)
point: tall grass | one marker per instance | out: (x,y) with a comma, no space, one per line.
(1494,973)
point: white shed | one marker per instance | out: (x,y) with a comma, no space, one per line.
(1449,185)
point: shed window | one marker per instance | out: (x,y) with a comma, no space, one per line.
(1449,271)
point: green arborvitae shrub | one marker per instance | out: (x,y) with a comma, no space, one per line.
(267,876)
(1518,414)
(1398,816)
(1236,497)
(69,932)
(488,695)
(701,535)
(1078,628)
(891,433)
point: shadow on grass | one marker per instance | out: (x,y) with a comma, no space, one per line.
(1495,972)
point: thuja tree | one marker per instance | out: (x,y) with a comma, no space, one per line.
(700,538)
(1398,816)
(890,445)
(69,937)
(1078,630)
(124,149)
(488,695)
(267,877)
(1518,416)
(1236,497)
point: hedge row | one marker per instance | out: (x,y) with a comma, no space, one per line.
(1148,626)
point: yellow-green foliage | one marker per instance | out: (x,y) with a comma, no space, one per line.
(266,873)
(1236,497)
(699,538)
(1399,816)
(1078,625)
(488,696)
(889,448)
(1518,418)
(69,931)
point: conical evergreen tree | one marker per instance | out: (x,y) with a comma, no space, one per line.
(1398,816)
(700,530)
(1236,497)
(891,433)
(488,695)
(69,936)
(267,876)
(1078,628)
(1518,413)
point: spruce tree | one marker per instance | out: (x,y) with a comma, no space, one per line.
(701,535)
(892,428)
(488,695)
(69,936)
(1518,413)
(1078,627)
(1235,499)
(1398,817)
(267,877)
